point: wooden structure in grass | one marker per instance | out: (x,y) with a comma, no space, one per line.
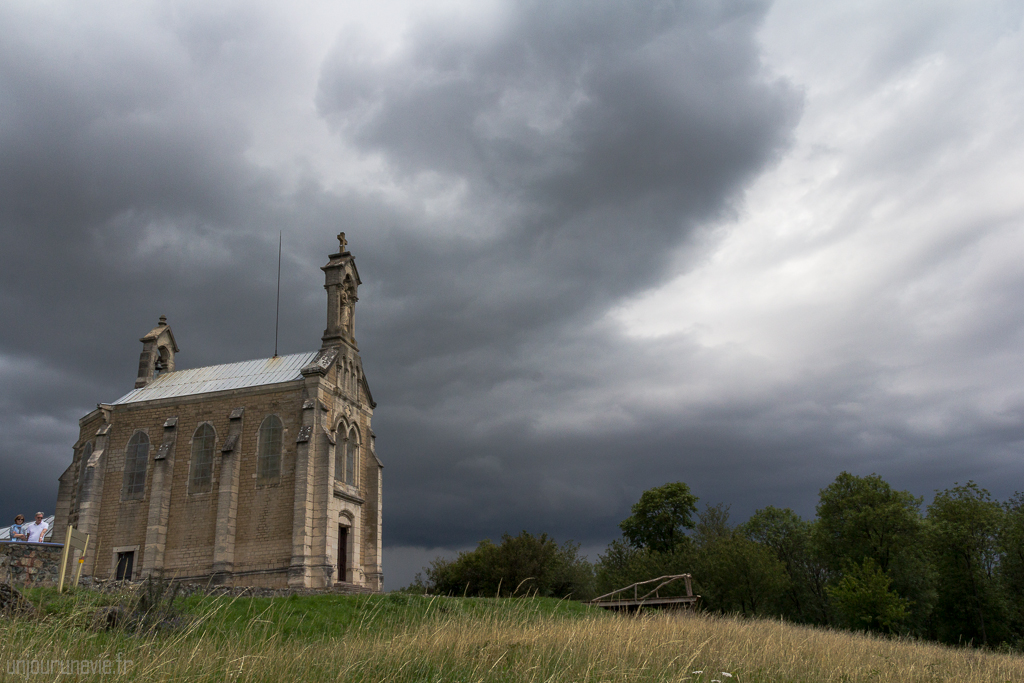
(620,599)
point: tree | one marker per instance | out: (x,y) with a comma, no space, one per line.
(862,518)
(789,538)
(655,541)
(964,531)
(520,565)
(660,518)
(1011,566)
(712,525)
(864,600)
(733,573)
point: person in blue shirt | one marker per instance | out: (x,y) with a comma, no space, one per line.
(17,532)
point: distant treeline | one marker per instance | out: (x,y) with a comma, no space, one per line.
(871,560)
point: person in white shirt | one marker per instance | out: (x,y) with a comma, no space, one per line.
(37,530)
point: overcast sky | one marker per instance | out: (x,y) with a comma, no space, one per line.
(604,246)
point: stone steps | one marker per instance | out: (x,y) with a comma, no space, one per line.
(346,588)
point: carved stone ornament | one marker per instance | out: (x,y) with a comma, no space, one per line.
(164,450)
(327,357)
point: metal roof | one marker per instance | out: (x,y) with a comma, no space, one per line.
(250,373)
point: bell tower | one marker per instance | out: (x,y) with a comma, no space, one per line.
(157,357)
(341,280)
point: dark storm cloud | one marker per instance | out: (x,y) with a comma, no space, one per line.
(602,135)
(872,331)
(587,142)
(539,163)
(123,196)
(511,175)
(603,132)
(505,469)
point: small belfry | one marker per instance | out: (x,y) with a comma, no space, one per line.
(157,357)
(257,473)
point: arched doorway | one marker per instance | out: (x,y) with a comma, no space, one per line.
(343,552)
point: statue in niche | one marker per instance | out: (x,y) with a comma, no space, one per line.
(347,304)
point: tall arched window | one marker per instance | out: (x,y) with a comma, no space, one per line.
(200,477)
(340,453)
(136,458)
(268,462)
(351,456)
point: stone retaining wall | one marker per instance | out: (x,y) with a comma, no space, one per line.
(30,564)
(185,588)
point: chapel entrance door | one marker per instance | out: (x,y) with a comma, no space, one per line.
(124,566)
(342,553)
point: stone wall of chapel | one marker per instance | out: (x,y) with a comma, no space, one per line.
(86,434)
(264,515)
(368,480)
(263,531)
(123,523)
(192,517)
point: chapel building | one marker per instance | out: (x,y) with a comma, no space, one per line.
(259,473)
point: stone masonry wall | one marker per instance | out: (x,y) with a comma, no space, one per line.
(264,514)
(30,564)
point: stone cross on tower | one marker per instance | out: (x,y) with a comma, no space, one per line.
(342,241)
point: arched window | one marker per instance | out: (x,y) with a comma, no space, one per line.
(200,477)
(268,462)
(351,457)
(136,458)
(340,452)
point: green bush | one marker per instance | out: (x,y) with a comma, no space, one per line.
(519,565)
(864,600)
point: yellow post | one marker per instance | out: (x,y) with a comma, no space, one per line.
(64,560)
(75,540)
(81,561)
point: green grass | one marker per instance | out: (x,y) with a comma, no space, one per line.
(334,616)
(404,638)
(312,617)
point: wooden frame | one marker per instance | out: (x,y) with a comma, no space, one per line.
(650,598)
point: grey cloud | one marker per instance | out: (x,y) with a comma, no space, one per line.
(606,134)
(663,113)
(576,148)
(123,195)
(571,111)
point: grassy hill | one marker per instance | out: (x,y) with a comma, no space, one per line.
(411,638)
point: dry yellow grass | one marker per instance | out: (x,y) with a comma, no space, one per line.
(503,646)
(666,647)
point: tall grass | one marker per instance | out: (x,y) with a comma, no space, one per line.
(385,638)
